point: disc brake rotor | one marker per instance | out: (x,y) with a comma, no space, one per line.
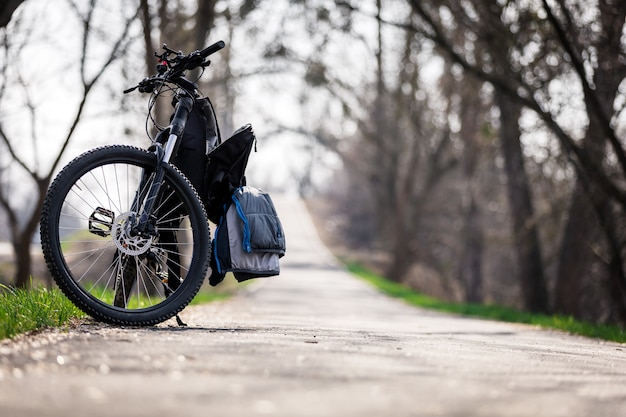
(127,242)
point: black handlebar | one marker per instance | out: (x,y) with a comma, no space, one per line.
(172,69)
(212,49)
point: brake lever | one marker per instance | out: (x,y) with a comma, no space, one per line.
(148,88)
(145,86)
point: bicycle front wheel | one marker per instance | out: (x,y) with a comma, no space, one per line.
(98,258)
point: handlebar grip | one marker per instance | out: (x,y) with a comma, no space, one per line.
(212,49)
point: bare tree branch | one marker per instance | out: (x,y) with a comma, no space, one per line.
(88,85)
(22,231)
(581,160)
(569,45)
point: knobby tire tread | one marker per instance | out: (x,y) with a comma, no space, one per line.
(63,282)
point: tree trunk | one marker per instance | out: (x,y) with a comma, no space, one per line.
(402,258)
(23,260)
(470,273)
(23,237)
(146,20)
(590,207)
(401,239)
(525,233)
(590,229)
(575,256)
(617,291)
(471,258)
(205,18)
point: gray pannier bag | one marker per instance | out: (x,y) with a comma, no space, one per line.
(249,239)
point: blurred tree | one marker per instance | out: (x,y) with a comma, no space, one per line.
(413,157)
(471,112)
(401,150)
(547,43)
(531,54)
(598,56)
(525,232)
(187,29)
(23,220)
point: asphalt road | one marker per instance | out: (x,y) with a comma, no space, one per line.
(312,342)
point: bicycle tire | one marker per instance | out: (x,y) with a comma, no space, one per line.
(109,273)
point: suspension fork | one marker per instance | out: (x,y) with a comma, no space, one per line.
(163,156)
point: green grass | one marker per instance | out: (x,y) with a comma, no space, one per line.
(205,295)
(568,324)
(24,310)
(208,296)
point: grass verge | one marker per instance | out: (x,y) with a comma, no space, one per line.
(568,324)
(204,297)
(24,310)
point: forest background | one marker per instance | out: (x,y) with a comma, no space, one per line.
(474,150)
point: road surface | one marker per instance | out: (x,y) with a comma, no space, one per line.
(312,342)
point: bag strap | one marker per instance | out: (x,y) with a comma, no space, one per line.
(247,246)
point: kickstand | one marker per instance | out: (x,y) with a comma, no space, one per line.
(180,322)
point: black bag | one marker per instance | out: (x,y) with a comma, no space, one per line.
(225,171)
(200,136)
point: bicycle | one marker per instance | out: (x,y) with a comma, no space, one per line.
(124,232)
